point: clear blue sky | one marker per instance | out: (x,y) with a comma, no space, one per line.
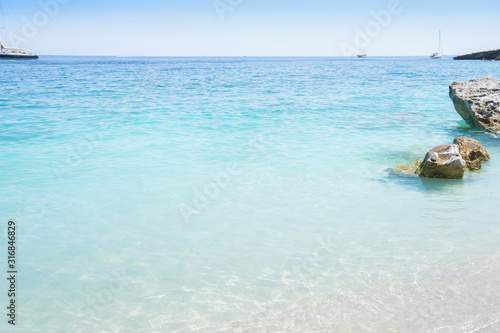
(249,27)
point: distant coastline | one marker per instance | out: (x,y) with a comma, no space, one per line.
(482,55)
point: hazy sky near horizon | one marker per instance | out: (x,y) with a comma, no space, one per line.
(249,27)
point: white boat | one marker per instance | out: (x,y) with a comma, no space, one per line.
(13,52)
(439,53)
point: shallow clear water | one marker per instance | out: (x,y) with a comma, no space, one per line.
(244,195)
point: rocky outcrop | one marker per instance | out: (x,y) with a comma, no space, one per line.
(444,162)
(488,55)
(448,161)
(478,102)
(472,152)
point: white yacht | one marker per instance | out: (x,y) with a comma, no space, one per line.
(13,52)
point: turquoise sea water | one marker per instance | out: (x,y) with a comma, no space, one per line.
(244,195)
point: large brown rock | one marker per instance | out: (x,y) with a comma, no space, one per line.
(478,102)
(448,161)
(444,162)
(472,152)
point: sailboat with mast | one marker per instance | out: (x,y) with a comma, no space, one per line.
(12,52)
(361,54)
(439,53)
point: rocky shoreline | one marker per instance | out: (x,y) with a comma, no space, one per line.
(483,55)
(478,103)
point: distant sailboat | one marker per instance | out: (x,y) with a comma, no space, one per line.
(361,54)
(15,53)
(439,53)
(12,52)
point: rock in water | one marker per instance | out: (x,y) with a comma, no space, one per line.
(446,164)
(472,152)
(448,161)
(478,102)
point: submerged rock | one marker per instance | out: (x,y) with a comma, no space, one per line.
(444,162)
(408,169)
(472,152)
(478,102)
